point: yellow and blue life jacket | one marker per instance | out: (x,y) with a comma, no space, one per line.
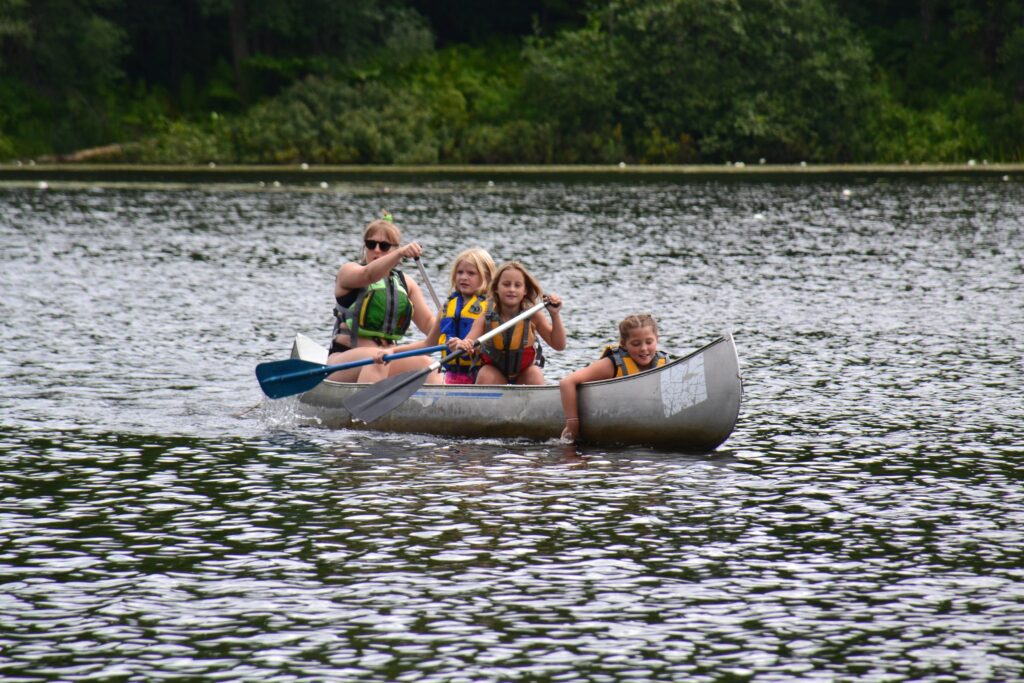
(457,321)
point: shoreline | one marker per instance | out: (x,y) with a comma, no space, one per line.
(312,173)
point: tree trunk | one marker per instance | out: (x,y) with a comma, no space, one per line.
(239,46)
(927,17)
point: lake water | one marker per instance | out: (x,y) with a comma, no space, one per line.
(160,520)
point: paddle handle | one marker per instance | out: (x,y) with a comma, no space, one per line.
(430,287)
(328,369)
(505,325)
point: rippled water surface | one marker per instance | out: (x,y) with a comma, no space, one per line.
(159,520)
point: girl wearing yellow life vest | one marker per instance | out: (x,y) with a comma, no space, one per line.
(508,358)
(376,304)
(637,352)
(471,275)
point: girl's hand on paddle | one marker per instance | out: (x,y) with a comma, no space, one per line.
(453,344)
(553,301)
(411,250)
(466,346)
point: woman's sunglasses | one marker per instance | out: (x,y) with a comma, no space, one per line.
(383,246)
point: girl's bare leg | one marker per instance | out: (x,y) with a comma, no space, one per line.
(397,367)
(531,375)
(351,374)
(490,375)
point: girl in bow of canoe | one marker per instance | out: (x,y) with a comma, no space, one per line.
(637,352)
(471,275)
(508,358)
(376,303)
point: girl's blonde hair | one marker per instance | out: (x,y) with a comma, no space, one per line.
(389,229)
(533,290)
(634,322)
(479,259)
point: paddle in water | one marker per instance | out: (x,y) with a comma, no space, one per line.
(282,378)
(384,396)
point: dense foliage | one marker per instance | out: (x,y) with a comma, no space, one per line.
(527,81)
(687,80)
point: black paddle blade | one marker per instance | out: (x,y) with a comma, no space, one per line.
(386,395)
(282,378)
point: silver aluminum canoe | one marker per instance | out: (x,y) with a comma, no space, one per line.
(689,405)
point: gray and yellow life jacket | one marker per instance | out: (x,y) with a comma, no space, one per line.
(624,365)
(514,349)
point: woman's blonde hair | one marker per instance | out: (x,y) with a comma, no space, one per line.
(634,322)
(533,290)
(389,229)
(479,259)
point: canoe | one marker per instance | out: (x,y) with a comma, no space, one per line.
(688,405)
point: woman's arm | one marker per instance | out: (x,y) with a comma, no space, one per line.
(354,275)
(421,315)
(600,369)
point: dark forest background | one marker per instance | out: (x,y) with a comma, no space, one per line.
(515,81)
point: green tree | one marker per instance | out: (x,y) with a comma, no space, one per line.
(275,42)
(14,28)
(708,79)
(949,77)
(64,56)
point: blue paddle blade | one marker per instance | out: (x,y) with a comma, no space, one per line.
(282,378)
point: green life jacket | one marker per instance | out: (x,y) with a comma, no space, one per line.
(382,310)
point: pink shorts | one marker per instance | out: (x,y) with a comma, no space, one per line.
(458,378)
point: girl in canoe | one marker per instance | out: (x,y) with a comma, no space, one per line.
(637,352)
(376,303)
(471,275)
(508,358)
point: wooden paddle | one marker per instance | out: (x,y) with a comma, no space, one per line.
(386,395)
(282,378)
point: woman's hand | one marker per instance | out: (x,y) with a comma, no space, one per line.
(378,358)
(411,250)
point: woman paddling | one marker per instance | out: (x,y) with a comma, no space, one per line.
(376,302)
